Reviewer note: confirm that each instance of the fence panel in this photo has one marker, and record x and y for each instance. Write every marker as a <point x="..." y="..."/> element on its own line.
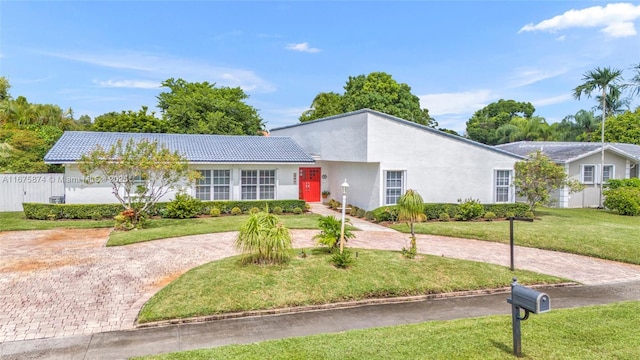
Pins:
<point x="18" y="188"/>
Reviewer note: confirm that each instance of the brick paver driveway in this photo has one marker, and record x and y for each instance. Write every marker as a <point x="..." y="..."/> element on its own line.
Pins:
<point x="58" y="283"/>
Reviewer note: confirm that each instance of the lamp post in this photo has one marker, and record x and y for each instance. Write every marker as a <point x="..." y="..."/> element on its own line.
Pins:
<point x="345" y="187"/>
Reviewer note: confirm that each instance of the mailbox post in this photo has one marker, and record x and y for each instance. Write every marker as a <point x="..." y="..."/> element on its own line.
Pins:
<point x="529" y="300"/>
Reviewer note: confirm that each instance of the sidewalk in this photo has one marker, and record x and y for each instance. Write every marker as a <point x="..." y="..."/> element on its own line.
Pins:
<point x="124" y="344"/>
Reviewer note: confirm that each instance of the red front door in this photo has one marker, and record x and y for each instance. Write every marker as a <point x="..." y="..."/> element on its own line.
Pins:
<point x="310" y="184"/>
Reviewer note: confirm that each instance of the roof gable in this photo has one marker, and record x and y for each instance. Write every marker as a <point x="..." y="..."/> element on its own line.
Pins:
<point x="408" y="123"/>
<point x="195" y="148"/>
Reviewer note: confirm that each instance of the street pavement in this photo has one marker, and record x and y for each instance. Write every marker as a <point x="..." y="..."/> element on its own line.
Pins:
<point x="65" y="295"/>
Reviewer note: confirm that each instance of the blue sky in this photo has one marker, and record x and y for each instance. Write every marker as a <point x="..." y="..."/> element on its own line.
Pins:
<point x="457" y="56"/>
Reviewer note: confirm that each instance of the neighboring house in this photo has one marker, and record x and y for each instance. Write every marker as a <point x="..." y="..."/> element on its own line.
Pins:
<point x="382" y="156"/>
<point x="582" y="162"/>
<point x="232" y="167"/>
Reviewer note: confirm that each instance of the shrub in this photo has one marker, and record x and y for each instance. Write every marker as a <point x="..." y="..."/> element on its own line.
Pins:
<point x="618" y="183"/>
<point x="254" y="210"/>
<point x="360" y="213"/>
<point x="421" y="218"/>
<point x="297" y="211"/>
<point x="183" y="206"/>
<point x="214" y="212"/>
<point x="386" y="213"/>
<point x="489" y="216"/>
<point x="330" y="228"/>
<point x="236" y="211"/>
<point x="37" y="211"/>
<point x="353" y="210"/>
<point x="369" y="216"/>
<point x="307" y="207"/>
<point x="444" y="217"/>
<point x="124" y="220"/>
<point x="343" y="260"/>
<point x="264" y="240"/>
<point x="433" y="211"/>
<point x="277" y="210"/>
<point x="529" y="215"/>
<point x="501" y="210"/>
<point x="623" y="200"/>
<point x="510" y="214"/>
<point x="469" y="209"/>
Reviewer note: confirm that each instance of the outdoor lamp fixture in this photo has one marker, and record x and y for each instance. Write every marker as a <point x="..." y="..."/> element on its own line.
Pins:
<point x="345" y="187"/>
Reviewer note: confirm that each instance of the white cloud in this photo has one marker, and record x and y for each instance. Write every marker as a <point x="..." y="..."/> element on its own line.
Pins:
<point x="138" y="84"/>
<point x="163" y="67"/>
<point x="456" y="103"/>
<point x="302" y="47"/>
<point x="552" y="100"/>
<point x="525" y="77"/>
<point x="615" y="20"/>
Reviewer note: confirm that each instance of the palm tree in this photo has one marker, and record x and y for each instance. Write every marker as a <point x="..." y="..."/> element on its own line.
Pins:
<point x="410" y="208"/>
<point x="606" y="80"/>
<point x="635" y="81"/>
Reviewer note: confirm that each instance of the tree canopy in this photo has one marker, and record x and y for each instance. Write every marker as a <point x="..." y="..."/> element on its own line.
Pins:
<point x="203" y="108"/>
<point x="514" y="118"/>
<point x="624" y="128"/>
<point x="376" y="91"/>
<point x="130" y="121"/>
<point x="140" y="173"/>
<point x="536" y="178"/>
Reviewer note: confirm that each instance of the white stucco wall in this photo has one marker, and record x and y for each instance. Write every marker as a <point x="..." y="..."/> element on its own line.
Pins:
<point x="362" y="146"/>
<point x="79" y="192"/>
<point x="590" y="196"/>
<point x="341" y="139"/>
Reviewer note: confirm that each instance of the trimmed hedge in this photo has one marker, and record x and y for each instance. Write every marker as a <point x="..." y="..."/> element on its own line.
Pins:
<point x="434" y="210"/>
<point x="37" y="211"/>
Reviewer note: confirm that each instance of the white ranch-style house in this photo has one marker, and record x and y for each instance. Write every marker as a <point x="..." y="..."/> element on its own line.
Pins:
<point x="381" y="156"/>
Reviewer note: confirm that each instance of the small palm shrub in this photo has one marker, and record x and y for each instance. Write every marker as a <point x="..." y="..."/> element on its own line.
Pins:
<point x="444" y="217"/>
<point x="214" y="212"/>
<point x="342" y="260"/>
<point x="469" y="209"/>
<point x="254" y="210"/>
<point x="263" y="239"/>
<point x="277" y="210"/>
<point x="236" y="211"/>
<point x="297" y="211"/>
<point x="183" y="206"/>
<point x="330" y="231"/>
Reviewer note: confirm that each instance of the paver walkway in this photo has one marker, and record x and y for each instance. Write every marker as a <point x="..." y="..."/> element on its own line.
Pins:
<point x="58" y="286"/>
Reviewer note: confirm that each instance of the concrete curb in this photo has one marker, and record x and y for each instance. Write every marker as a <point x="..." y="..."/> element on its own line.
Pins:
<point x="341" y="305"/>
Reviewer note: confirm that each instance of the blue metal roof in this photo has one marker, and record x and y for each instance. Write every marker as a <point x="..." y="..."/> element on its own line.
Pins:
<point x="195" y="148"/>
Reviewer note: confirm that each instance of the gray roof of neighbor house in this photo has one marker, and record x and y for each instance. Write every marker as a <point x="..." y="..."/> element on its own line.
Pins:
<point x="410" y="123"/>
<point x="195" y="148"/>
<point x="565" y="152"/>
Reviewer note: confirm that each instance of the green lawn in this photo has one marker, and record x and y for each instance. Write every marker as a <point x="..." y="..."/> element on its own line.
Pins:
<point x="226" y="286"/>
<point x="168" y="228"/>
<point x="587" y="232"/>
<point x="603" y="332"/>
<point x="12" y="221"/>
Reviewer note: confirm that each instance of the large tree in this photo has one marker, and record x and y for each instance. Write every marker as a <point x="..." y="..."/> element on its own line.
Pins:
<point x="484" y="124"/>
<point x="203" y="108"/>
<point x="130" y="121"/>
<point x="140" y="173"/>
<point x="624" y="128"/>
<point x="376" y="91"/>
<point x="537" y="177"/>
<point x="606" y="80"/>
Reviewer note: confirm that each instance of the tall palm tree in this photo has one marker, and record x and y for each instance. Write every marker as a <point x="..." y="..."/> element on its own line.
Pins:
<point x="607" y="80"/>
